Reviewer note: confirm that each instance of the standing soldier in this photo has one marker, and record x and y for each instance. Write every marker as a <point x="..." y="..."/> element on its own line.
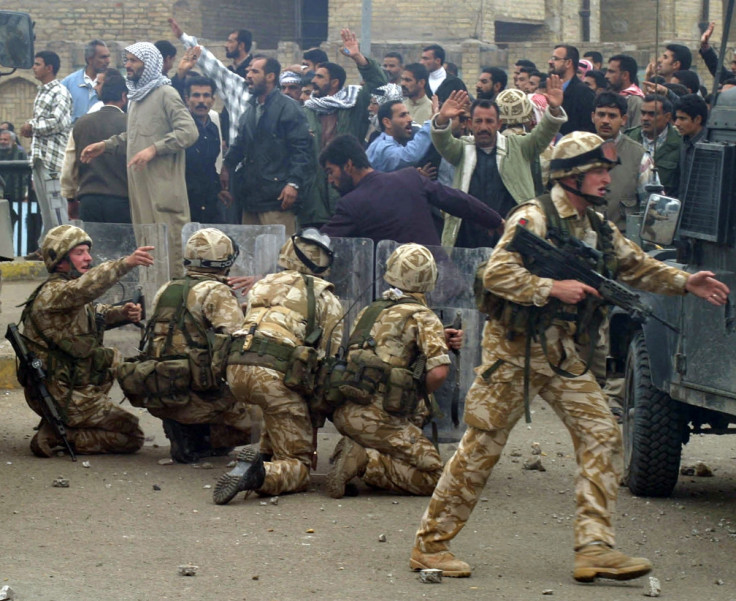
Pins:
<point x="397" y="355"/>
<point x="189" y="313"/>
<point x="64" y="329"/>
<point x="579" y="170"/>
<point x="293" y="317"/>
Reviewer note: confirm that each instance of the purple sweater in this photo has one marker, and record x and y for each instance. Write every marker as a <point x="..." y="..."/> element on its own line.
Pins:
<point x="396" y="206"/>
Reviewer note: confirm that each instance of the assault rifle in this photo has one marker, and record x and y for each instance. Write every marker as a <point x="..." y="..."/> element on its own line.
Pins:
<point x="36" y="378"/>
<point x="137" y="299"/>
<point x="548" y="261"/>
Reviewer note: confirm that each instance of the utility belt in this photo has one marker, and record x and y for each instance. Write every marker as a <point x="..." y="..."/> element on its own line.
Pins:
<point x="299" y="364"/>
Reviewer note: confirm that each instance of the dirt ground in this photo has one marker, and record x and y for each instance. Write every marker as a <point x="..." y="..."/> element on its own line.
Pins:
<point x="126" y="523"/>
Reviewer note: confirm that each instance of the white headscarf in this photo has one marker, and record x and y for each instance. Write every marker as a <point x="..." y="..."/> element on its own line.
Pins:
<point x="151" y="78"/>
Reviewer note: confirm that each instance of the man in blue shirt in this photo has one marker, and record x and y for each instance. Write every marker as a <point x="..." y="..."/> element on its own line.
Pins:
<point x="397" y="146"/>
<point x="81" y="83"/>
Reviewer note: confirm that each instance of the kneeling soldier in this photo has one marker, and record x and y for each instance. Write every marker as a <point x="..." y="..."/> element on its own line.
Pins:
<point x="64" y="329"/>
<point x="292" y="316"/>
<point x="193" y="317"/>
<point x="396" y="356"/>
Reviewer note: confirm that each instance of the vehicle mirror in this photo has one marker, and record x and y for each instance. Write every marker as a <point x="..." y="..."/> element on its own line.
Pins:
<point x="660" y="219"/>
<point x="16" y="40"/>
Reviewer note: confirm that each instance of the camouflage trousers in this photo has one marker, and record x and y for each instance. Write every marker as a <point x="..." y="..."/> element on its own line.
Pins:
<point x="287" y="428"/>
<point x="400" y="457"/>
<point x="232" y="423"/>
<point x="492" y="408"/>
<point x="95" y="425"/>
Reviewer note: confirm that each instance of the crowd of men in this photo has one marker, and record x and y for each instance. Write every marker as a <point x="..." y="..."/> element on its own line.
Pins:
<point x="409" y="155"/>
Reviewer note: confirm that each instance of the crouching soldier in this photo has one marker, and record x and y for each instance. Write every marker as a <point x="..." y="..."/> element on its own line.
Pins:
<point x="192" y="321"/>
<point x="396" y="356"/>
<point x="62" y="327"/>
<point x="292" y="318"/>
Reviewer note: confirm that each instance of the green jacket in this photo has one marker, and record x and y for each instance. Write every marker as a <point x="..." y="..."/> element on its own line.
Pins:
<point x="319" y="204"/>
<point x="666" y="158"/>
<point x="514" y="155"/>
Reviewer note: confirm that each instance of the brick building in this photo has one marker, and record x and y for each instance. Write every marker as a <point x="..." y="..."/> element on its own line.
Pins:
<point x="474" y="32"/>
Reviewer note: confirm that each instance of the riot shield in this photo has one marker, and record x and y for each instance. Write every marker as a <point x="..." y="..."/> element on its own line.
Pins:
<point x="112" y="241"/>
<point x="259" y="245"/>
<point x="352" y="275"/>
<point x="453" y="293"/>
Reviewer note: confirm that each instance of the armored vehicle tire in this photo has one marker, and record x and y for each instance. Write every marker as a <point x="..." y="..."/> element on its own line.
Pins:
<point x="653" y="429"/>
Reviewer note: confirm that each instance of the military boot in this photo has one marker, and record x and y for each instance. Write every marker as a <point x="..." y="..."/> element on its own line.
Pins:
<point x="46" y="441"/>
<point x="444" y="560"/>
<point x="348" y="461"/>
<point x="189" y="442"/>
<point x="248" y="474"/>
<point x="598" y="560"/>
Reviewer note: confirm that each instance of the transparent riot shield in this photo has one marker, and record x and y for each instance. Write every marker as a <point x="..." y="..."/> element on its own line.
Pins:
<point x="453" y="294"/>
<point x="259" y="245"/>
<point x="352" y="275"/>
<point x="112" y="241"/>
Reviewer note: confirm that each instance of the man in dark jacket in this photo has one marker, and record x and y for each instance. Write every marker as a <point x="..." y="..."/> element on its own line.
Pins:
<point x="275" y="148"/>
<point x="333" y="109"/>
<point x="578" y="99"/>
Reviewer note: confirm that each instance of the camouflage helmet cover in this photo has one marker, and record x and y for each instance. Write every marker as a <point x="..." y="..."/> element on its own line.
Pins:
<point x="59" y="241"/>
<point x="411" y="268"/>
<point x="314" y="248"/>
<point x="514" y="106"/>
<point x="580" y="151"/>
<point x="210" y="249"/>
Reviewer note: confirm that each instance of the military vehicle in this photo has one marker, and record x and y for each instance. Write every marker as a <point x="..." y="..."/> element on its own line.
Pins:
<point x="680" y="383"/>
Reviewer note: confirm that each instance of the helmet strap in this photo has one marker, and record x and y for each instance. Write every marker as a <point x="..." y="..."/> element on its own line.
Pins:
<point x="594" y="200"/>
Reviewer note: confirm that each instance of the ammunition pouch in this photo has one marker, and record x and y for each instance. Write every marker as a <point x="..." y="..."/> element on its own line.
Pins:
<point x="80" y="362"/>
<point x="301" y="372"/>
<point x="364" y="373"/>
<point x="207" y="365"/>
<point x="155" y="384"/>
<point x="402" y="395"/>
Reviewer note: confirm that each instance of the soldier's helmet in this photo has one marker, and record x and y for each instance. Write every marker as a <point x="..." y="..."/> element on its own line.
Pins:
<point x="411" y="268"/>
<point x="210" y="250"/>
<point x="579" y="152"/>
<point x="59" y="241"/>
<point x="515" y="107"/>
<point x="308" y="252"/>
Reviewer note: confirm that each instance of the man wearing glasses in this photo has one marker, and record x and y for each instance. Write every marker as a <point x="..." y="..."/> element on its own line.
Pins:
<point x="578" y="98"/>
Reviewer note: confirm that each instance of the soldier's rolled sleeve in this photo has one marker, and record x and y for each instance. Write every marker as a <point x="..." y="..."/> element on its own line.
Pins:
<point x="431" y="339"/>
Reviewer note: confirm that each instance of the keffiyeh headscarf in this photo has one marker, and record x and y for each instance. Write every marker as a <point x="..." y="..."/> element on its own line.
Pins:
<point x="151" y="78"/>
<point x="344" y="99"/>
<point x="287" y="77"/>
<point x="386" y="93"/>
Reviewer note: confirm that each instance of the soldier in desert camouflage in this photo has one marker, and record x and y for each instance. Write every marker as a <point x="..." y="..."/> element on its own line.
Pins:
<point x="381" y="445"/>
<point x="64" y="329"/>
<point x="209" y="423"/>
<point x="291" y="319"/>
<point x="495" y="402"/>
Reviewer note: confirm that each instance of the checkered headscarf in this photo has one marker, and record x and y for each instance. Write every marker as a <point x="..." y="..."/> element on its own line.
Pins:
<point x="151" y="78"/>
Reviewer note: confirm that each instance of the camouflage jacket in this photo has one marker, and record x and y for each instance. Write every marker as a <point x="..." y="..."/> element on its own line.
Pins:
<point x="61" y="327"/>
<point x="406" y="330"/>
<point x="63" y="309"/>
<point x="277" y="306"/>
<point x="506" y="277"/>
<point x="211" y="304"/>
